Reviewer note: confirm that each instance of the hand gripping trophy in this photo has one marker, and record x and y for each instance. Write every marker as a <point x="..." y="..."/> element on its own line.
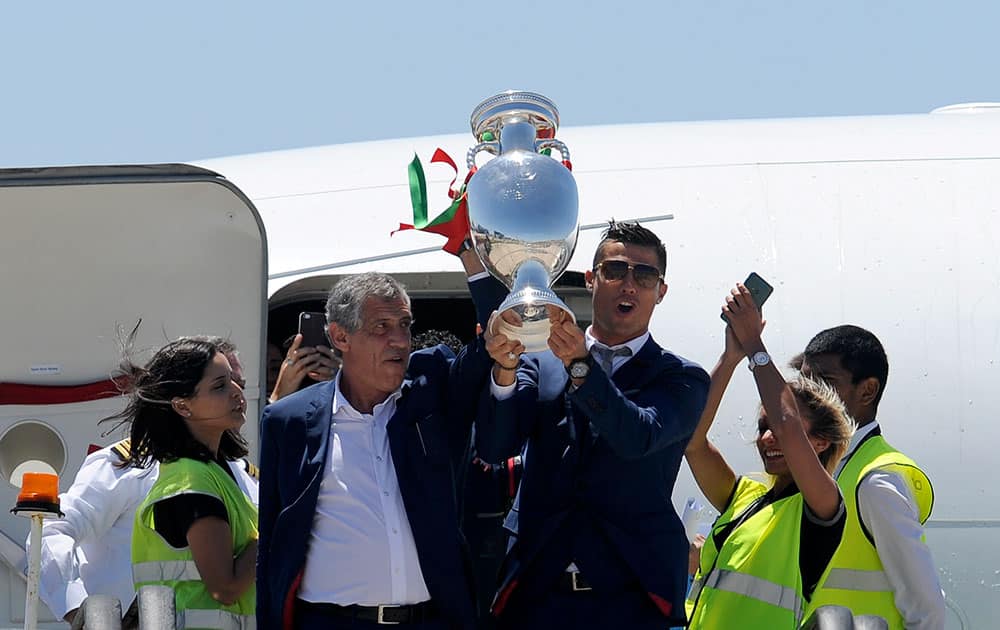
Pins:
<point x="523" y="209"/>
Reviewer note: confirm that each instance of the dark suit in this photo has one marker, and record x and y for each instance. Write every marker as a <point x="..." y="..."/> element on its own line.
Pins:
<point x="604" y="501"/>
<point x="440" y="395"/>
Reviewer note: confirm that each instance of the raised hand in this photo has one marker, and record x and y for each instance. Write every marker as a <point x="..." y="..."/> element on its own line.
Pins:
<point x="566" y="340"/>
<point x="318" y="363"/>
<point x="327" y="364"/>
<point x="503" y="350"/>
<point x="745" y="319"/>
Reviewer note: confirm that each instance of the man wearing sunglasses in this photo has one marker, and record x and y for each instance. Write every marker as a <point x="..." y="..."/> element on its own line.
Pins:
<point x="605" y="416"/>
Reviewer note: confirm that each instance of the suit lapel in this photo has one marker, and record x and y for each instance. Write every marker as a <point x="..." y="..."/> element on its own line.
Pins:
<point x="638" y="370"/>
<point x="396" y="430"/>
<point x="400" y="414"/>
<point x="318" y="421"/>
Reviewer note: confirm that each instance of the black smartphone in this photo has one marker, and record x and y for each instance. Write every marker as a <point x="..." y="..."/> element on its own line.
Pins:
<point x="759" y="290"/>
<point x="312" y="327"/>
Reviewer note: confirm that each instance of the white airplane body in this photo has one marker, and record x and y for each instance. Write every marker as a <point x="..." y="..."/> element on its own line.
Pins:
<point x="888" y="222"/>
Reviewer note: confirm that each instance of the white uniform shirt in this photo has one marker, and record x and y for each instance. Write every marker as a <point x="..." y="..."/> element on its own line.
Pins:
<point x="89" y="550"/>
<point x="889" y="511"/>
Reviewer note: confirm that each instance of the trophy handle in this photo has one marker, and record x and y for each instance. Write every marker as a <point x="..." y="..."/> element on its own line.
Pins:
<point x="552" y="143"/>
<point x="491" y="147"/>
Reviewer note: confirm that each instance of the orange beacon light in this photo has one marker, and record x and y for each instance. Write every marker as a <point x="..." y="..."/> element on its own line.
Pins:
<point x="39" y="493"/>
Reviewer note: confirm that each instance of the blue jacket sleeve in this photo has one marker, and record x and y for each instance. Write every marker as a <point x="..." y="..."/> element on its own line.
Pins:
<point x="468" y="373"/>
<point x="662" y="413"/>
<point x="503" y="426"/>
<point x="487" y="294"/>
<point x="468" y="376"/>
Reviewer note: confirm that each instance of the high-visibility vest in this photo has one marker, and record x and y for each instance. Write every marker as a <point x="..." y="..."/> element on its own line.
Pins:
<point x="754" y="580"/>
<point x="856" y="578"/>
<point x="154" y="561"/>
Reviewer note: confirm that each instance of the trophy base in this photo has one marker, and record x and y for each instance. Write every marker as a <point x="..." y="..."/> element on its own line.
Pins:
<point x="531" y="305"/>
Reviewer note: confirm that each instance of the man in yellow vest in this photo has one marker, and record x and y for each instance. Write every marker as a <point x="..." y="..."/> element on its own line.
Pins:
<point x="883" y="566"/>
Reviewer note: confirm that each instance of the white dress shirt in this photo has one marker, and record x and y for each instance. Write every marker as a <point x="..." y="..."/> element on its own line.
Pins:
<point x="361" y="548"/>
<point x="888" y="510"/>
<point x="89" y="550"/>
<point x="503" y="392"/>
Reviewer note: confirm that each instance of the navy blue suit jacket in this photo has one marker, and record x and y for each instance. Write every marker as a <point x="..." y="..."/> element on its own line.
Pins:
<point x="599" y="469"/>
<point x="440" y="396"/>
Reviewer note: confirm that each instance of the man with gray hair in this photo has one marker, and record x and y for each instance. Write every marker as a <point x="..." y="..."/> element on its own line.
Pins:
<point x="358" y="517"/>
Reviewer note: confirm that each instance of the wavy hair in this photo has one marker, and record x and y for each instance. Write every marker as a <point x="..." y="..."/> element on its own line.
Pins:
<point x="828" y="418"/>
<point x="157" y="431"/>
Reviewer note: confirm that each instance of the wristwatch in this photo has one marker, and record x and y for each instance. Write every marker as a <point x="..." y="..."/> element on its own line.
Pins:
<point x="580" y="368"/>
<point x="759" y="359"/>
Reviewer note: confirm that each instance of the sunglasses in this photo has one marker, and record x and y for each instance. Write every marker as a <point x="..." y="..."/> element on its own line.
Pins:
<point x="646" y="276"/>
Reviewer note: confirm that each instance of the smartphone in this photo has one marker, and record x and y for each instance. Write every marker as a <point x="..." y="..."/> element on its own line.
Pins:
<point x="759" y="290"/>
<point x="312" y="327"/>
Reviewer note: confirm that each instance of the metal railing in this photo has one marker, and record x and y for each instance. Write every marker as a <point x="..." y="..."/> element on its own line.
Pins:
<point x="104" y="612"/>
<point x="841" y="618"/>
<point x="98" y="612"/>
<point x="156" y="608"/>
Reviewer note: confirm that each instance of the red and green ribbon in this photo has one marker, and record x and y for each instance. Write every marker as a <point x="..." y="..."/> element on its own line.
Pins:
<point x="453" y="223"/>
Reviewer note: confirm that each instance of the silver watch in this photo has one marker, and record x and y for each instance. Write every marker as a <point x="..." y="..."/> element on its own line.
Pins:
<point x="759" y="359"/>
<point x="579" y="368"/>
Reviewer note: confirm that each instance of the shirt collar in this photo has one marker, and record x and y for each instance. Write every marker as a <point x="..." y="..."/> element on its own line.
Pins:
<point x="635" y="344"/>
<point x="859" y="435"/>
<point x="340" y="402"/>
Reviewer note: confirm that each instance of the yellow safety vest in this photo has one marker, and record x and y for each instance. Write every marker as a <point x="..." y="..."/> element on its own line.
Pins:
<point x="856" y="578"/>
<point x="754" y="581"/>
<point x="154" y="561"/>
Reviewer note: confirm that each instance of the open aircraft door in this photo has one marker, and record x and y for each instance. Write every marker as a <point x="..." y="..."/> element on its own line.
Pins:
<point x="87" y="252"/>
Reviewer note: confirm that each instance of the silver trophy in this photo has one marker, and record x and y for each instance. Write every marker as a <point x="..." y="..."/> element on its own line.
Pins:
<point x="523" y="208"/>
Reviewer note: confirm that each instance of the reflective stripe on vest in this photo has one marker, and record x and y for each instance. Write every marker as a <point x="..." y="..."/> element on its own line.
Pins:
<point x="752" y="587"/>
<point x="857" y="580"/>
<point x="215" y="619"/>
<point x="695" y="589"/>
<point x="167" y="571"/>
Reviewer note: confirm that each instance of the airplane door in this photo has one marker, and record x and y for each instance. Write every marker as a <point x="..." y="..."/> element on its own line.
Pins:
<point x="87" y="252"/>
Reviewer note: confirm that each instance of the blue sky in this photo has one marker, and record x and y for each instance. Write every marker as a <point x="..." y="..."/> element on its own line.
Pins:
<point x="122" y="82"/>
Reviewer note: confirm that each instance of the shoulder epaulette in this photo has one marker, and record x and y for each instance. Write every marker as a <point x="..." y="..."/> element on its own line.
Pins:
<point x="122" y="449"/>
<point x="252" y="470"/>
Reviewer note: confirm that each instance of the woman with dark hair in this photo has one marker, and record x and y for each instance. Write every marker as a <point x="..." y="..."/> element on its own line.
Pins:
<point x="772" y="542"/>
<point x="196" y="531"/>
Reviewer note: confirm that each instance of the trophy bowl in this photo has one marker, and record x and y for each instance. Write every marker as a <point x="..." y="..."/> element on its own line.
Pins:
<point x="523" y="209"/>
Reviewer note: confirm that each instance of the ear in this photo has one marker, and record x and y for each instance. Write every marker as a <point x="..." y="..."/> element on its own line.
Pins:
<point x="819" y="444"/>
<point x="588" y="280"/>
<point x="868" y="390"/>
<point x="663" y="291"/>
<point x="180" y="407"/>
<point x="339" y="337"/>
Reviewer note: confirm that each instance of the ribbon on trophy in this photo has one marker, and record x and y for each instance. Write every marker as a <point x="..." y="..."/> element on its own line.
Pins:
<point x="453" y="223"/>
<point x="545" y="134"/>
